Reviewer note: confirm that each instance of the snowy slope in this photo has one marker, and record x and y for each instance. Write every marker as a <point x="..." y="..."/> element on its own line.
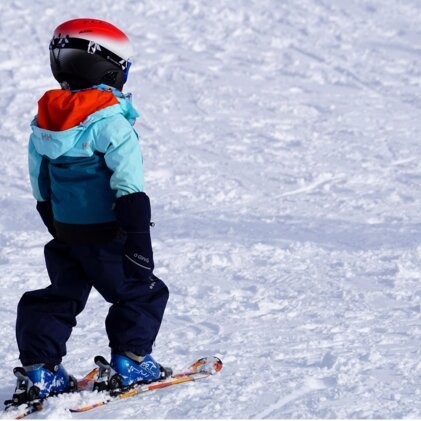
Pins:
<point x="282" y="157"/>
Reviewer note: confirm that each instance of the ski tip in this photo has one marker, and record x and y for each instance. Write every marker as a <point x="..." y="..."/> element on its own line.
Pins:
<point x="218" y="364"/>
<point x="209" y="365"/>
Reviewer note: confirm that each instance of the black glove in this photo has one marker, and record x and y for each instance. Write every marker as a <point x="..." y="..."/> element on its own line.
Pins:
<point x="133" y="213"/>
<point x="46" y="212"/>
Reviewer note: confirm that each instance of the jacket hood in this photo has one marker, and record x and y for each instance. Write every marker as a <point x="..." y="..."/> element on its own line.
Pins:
<point x="63" y="116"/>
<point x="60" y="109"/>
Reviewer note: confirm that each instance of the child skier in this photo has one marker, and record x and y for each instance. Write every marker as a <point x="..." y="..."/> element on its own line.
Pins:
<point x="86" y="173"/>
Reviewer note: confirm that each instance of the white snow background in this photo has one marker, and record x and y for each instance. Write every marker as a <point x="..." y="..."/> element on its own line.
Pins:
<point x="282" y="154"/>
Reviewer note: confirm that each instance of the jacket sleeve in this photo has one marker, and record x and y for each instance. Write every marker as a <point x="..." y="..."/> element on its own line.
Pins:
<point x="123" y="156"/>
<point x="38" y="174"/>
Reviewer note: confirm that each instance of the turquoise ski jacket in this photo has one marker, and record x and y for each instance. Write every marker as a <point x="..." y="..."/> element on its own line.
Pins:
<point x="83" y="154"/>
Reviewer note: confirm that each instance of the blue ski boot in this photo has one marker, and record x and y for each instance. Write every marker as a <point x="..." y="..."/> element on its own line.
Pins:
<point x="39" y="381"/>
<point x="127" y="370"/>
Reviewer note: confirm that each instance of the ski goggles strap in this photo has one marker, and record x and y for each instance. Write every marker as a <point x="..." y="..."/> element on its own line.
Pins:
<point x="90" y="47"/>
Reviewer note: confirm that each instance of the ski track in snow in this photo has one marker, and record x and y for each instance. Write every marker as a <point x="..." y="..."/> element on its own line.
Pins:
<point x="281" y="144"/>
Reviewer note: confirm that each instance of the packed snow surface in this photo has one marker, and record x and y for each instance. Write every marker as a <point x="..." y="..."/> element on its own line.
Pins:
<point x="281" y="141"/>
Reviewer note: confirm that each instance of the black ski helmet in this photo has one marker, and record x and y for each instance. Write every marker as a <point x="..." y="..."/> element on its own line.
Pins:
<point x="87" y="52"/>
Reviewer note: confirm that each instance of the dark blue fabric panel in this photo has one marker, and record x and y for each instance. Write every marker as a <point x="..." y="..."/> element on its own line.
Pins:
<point x="81" y="191"/>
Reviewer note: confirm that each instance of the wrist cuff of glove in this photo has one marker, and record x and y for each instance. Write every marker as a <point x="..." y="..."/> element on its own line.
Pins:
<point x="133" y="212"/>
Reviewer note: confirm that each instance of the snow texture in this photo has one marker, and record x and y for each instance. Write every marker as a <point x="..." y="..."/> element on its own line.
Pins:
<point x="281" y="141"/>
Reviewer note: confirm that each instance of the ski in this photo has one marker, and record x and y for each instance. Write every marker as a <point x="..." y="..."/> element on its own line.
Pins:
<point x="201" y="369"/>
<point x="27" y="408"/>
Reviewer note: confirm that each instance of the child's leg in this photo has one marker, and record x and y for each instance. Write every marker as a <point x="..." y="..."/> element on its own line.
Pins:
<point x="138" y="306"/>
<point x="134" y="320"/>
<point x="46" y="316"/>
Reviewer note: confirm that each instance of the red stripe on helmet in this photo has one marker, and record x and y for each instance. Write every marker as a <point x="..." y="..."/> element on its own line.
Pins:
<point x="85" y="26"/>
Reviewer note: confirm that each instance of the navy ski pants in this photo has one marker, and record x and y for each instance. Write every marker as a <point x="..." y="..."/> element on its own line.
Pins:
<point x="46" y="316"/>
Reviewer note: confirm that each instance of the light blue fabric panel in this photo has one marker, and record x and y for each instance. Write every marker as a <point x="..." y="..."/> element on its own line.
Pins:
<point x="119" y="142"/>
<point x="38" y="174"/>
